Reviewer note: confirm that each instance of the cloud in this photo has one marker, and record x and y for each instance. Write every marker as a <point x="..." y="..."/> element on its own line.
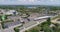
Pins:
<point x="27" y="0"/>
<point x="32" y="2"/>
<point x="2" y="0"/>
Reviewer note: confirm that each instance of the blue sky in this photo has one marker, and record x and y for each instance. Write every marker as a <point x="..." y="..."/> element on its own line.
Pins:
<point x="30" y="2"/>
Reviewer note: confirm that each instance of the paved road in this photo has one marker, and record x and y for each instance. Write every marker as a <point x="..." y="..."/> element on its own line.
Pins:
<point x="0" y="31"/>
<point x="32" y="26"/>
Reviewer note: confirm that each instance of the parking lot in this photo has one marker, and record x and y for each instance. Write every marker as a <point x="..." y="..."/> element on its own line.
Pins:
<point x="9" y="24"/>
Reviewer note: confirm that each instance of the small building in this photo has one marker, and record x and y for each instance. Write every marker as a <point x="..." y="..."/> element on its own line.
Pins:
<point x="24" y="15"/>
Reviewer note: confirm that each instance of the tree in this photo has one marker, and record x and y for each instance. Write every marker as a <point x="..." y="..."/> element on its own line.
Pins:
<point x="49" y="21"/>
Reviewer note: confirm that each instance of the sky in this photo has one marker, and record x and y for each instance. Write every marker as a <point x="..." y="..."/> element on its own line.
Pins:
<point x="29" y="2"/>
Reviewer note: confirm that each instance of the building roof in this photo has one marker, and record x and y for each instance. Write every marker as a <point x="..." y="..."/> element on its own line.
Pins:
<point x="14" y="17"/>
<point x="42" y="17"/>
<point x="11" y="12"/>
